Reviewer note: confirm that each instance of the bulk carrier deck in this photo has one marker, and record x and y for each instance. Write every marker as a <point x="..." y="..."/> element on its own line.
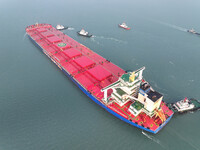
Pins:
<point x="103" y="81"/>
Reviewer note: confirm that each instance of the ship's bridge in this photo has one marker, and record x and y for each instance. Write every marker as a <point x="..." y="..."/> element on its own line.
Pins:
<point x="126" y="88"/>
<point x="151" y="98"/>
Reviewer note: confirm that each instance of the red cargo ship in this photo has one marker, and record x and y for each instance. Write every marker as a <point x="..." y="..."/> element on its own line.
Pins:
<point x="124" y="94"/>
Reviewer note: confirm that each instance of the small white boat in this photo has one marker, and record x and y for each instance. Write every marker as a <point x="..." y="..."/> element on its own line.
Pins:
<point x="123" y="25"/>
<point x="60" y="27"/>
<point x="84" y="33"/>
<point x="193" y="31"/>
<point x="184" y="105"/>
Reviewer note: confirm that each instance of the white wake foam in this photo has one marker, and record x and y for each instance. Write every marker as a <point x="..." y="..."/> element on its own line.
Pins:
<point x="93" y="40"/>
<point x="173" y="26"/>
<point x="151" y="137"/>
<point x="70" y="28"/>
<point x="111" y="38"/>
<point x="191" y="80"/>
<point x="24" y="36"/>
<point x="171" y="62"/>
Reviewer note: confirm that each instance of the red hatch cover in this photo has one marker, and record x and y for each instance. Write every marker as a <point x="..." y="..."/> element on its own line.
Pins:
<point x="41" y="30"/>
<point x="54" y="39"/>
<point x="84" y="62"/>
<point x="47" y="34"/>
<point x="72" y="52"/>
<point x="59" y="57"/>
<point x="99" y="73"/>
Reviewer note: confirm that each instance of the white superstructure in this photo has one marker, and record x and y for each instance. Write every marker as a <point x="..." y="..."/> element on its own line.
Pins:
<point x="124" y="25"/>
<point x="59" y="27"/>
<point x="184" y="105"/>
<point x="83" y="32"/>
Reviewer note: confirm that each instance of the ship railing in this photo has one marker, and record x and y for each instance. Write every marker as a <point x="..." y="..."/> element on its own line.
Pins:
<point x="36" y="25"/>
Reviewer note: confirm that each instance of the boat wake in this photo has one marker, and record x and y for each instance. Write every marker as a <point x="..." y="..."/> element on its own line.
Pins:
<point x="70" y="28"/>
<point x="93" y="40"/>
<point x="172" y="76"/>
<point x="173" y="26"/>
<point x="110" y="38"/>
<point x="171" y="62"/>
<point x="191" y="80"/>
<point x="185" y="139"/>
<point x="191" y="112"/>
<point x="170" y="25"/>
<point x="151" y="137"/>
<point x="24" y="36"/>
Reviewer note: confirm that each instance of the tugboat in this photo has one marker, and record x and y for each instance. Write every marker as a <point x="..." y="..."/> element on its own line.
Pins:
<point x="60" y="27"/>
<point x="193" y="31"/>
<point x="84" y="33"/>
<point x="123" y="25"/>
<point x="185" y="105"/>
